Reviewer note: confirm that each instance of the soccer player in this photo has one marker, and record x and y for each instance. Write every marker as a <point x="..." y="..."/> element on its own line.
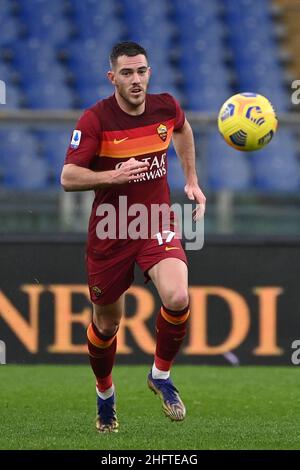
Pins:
<point x="119" y="148"/>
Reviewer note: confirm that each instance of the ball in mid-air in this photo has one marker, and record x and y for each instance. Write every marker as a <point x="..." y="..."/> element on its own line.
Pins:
<point x="247" y="121"/>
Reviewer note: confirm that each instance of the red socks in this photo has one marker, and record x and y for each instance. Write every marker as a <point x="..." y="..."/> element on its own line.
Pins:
<point x="170" y="333"/>
<point x="102" y="351"/>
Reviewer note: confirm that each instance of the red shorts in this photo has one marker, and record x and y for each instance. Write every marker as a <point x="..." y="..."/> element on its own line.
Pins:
<point x="110" y="275"/>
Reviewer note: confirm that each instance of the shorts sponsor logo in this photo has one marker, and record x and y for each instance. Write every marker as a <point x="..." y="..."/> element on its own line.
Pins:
<point x="96" y="291"/>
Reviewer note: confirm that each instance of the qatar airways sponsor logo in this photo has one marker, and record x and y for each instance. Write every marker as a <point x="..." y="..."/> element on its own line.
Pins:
<point x="159" y="221"/>
<point x="157" y="168"/>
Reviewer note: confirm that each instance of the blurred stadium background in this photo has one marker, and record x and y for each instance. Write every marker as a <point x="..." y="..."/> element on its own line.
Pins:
<point x="54" y="58"/>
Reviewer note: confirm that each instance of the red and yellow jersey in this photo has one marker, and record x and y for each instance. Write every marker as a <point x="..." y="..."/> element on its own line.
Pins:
<point x="106" y="136"/>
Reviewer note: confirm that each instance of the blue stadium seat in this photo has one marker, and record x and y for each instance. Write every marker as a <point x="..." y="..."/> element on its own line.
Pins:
<point x="192" y="7"/>
<point x="106" y="31"/>
<point x="14" y="97"/>
<point x="198" y="50"/>
<point x="140" y="8"/>
<point x="197" y="25"/>
<point x="205" y="74"/>
<point x="10" y="30"/>
<point x="54" y="144"/>
<point x="152" y="41"/>
<point x="91" y="94"/>
<point x="145" y="21"/>
<point x="92" y="78"/>
<point x="176" y="177"/>
<point x="51" y="29"/>
<point x="85" y="11"/>
<point x="43" y="71"/>
<point x="160" y="88"/>
<point x="256" y="76"/>
<point x="87" y="54"/>
<point x="226" y="168"/>
<point x="27" y="172"/>
<point x="6" y="72"/>
<point x="165" y="79"/>
<point x="276" y="167"/>
<point x="242" y="9"/>
<point x="209" y="98"/>
<point x="5" y="8"/>
<point x="255" y="52"/>
<point x="37" y="8"/>
<point x="149" y="25"/>
<point x="26" y="54"/>
<point x="48" y="96"/>
<point x="16" y="141"/>
<point x="255" y="56"/>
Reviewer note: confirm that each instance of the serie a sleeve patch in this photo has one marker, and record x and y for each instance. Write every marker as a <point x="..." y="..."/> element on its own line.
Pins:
<point x="75" y="141"/>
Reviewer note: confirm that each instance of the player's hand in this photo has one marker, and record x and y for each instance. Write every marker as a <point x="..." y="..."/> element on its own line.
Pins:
<point x="194" y="193"/>
<point x="129" y="171"/>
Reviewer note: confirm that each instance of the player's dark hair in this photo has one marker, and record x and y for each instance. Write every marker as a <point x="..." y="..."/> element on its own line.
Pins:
<point x="128" y="48"/>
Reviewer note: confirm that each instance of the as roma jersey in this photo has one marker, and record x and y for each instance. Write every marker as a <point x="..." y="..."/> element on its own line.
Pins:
<point x="106" y="136"/>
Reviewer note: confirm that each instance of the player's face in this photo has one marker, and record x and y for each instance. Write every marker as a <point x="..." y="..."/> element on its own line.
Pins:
<point x="130" y="76"/>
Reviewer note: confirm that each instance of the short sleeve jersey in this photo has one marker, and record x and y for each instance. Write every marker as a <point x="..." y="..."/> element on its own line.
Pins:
<point x="106" y="136"/>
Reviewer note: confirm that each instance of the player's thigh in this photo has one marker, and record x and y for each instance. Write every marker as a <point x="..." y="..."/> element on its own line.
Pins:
<point x="170" y="277"/>
<point x="108" y="317"/>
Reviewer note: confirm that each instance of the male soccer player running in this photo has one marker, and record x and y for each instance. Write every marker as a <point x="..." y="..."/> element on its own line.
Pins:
<point x="119" y="149"/>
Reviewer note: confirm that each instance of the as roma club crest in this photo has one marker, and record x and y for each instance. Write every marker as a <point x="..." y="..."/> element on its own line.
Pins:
<point x="162" y="131"/>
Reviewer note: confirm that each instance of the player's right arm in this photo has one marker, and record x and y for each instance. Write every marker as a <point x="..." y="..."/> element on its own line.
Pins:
<point x="76" y="178"/>
<point x="77" y="175"/>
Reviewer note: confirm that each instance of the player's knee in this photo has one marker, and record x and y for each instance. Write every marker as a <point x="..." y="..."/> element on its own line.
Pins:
<point x="109" y="329"/>
<point x="177" y="300"/>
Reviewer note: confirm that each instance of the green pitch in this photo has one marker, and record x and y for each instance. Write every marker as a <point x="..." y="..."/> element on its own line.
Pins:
<point x="53" y="407"/>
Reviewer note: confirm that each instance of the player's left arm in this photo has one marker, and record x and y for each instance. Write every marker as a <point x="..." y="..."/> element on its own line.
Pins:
<point x="183" y="140"/>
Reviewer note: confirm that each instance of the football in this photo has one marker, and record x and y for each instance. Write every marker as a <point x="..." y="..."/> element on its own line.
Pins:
<point x="247" y="121"/>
